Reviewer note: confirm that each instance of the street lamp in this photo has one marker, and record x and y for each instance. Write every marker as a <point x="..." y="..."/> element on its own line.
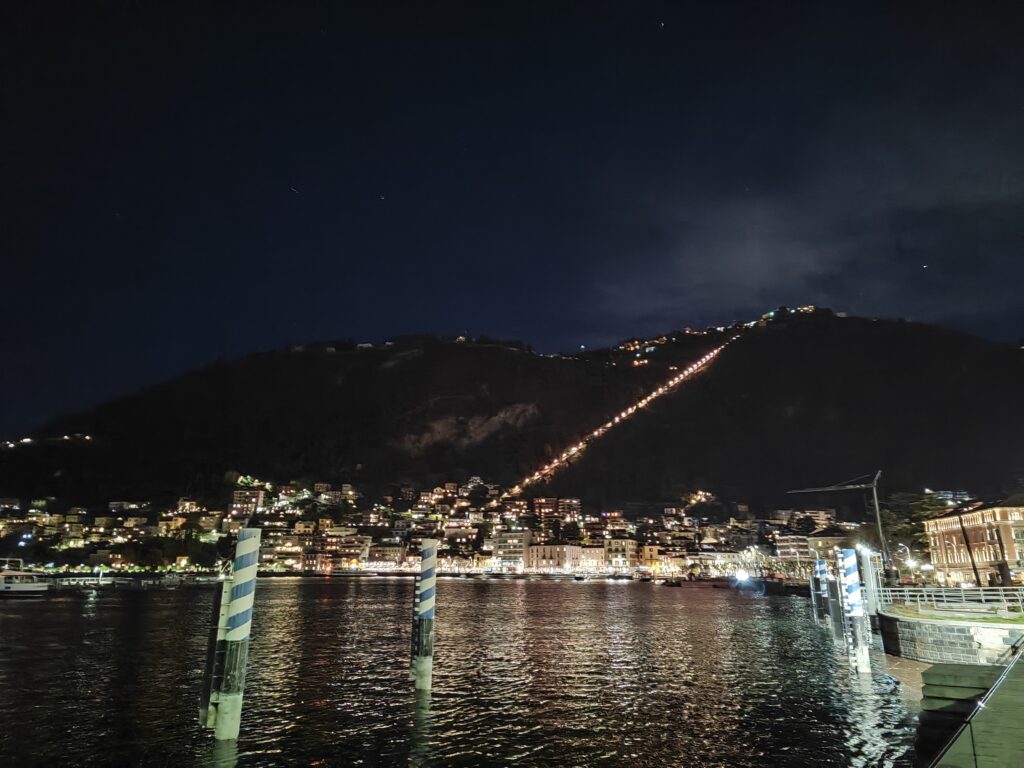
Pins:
<point x="909" y="556"/>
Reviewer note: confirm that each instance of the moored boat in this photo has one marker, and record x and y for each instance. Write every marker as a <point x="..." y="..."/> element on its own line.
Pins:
<point x="15" y="582"/>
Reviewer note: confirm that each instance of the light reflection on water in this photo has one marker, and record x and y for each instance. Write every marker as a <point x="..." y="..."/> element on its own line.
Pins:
<point x="526" y="673"/>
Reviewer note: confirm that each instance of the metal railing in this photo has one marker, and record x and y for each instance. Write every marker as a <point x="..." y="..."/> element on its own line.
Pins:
<point x="1009" y="598"/>
<point x="1010" y="659"/>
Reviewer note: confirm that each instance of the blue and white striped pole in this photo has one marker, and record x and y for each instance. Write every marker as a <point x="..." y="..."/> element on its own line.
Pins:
<point x="415" y="641"/>
<point x="857" y="635"/>
<point x="222" y="709"/>
<point x="842" y="613"/>
<point x="870" y="572"/>
<point x="851" y="583"/>
<point x="423" y="627"/>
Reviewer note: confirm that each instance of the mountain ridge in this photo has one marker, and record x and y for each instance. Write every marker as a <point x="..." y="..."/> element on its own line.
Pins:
<point x="799" y="399"/>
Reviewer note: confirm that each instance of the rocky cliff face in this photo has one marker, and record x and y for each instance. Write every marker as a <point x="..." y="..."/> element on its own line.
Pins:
<point x="464" y="432"/>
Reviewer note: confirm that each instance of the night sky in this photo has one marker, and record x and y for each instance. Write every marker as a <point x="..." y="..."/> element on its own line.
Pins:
<point x="183" y="183"/>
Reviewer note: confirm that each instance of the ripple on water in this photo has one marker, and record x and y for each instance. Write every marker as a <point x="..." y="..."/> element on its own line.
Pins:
<point x="527" y="673"/>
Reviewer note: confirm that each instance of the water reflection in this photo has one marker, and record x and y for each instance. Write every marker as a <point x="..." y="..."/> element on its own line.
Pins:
<point x="419" y="739"/>
<point x="219" y="754"/>
<point x="526" y="673"/>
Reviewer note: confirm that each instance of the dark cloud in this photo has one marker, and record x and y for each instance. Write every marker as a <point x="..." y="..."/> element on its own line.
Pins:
<point x="891" y="208"/>
<point x="205" y="181"/>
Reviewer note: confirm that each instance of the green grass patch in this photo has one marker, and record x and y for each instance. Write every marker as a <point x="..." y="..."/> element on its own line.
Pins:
<point x="911" y="612"/>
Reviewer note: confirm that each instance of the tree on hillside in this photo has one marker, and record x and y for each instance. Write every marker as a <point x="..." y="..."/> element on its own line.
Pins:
<point x="191" y="529"/>
<point x="904" y="514"/>
<point x="310" y="508"/>
<point x="571" y="532"/>
<point x="804" y="524"/>
<point x="483" y="531"/>
<point x="478" y="495"/>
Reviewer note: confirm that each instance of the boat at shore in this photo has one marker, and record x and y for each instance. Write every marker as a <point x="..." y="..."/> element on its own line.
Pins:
<point x="17" y="583"/>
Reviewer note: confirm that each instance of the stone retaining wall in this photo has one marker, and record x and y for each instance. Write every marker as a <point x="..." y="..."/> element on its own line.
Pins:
<point x="936" y="640"/>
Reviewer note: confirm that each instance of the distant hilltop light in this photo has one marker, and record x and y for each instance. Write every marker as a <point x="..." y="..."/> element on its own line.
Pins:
<point x="43" y="440"/>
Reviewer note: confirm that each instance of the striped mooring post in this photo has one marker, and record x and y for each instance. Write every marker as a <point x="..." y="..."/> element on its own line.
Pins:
<point x="870" y="572"/>
<point x="835" y="607"/>
<point x="858" y="633"/>
<point x="224" y="680"/>
<point x="819" y="590"/>
<point x="421" y="668"/>
<point x="415" y="627"/>
<point x="821" y="568"/>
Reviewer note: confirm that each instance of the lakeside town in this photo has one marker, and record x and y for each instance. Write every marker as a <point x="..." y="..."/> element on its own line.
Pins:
<point x="328" y="529"/>
<point x="944" y="537"/>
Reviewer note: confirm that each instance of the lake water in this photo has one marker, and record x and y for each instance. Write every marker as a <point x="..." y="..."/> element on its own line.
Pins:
<point x="527" y="673"/>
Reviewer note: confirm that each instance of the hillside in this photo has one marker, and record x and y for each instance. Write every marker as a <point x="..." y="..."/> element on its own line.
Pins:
<point x="417" y="409"/>
<point x="812" y="402"/>
<point x="805" y="400"/>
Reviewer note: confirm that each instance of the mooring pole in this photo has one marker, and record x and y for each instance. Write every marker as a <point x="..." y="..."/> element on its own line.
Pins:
<point x="839" y="619"/>
<point x="823" y="583"/>
<point x="422" y="666"/>
<point x="224" y="687"/>
<point x="819" y="590"/>
<point x="835" y="606"/>
<point x="814" y="589"/>
<point x="858" y="633"/>
<point x="871" y="580"/>
<point x="415" y="641"/>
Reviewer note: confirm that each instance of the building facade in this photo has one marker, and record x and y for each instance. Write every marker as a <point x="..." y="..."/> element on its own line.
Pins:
<point x="553" y="557"/>
<point x="990" y="536"/>
<point x="510" y="548"/>
<point x="791" y="546"/>
<point x="620" y="553"/>
<point x="245" y="502"/>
